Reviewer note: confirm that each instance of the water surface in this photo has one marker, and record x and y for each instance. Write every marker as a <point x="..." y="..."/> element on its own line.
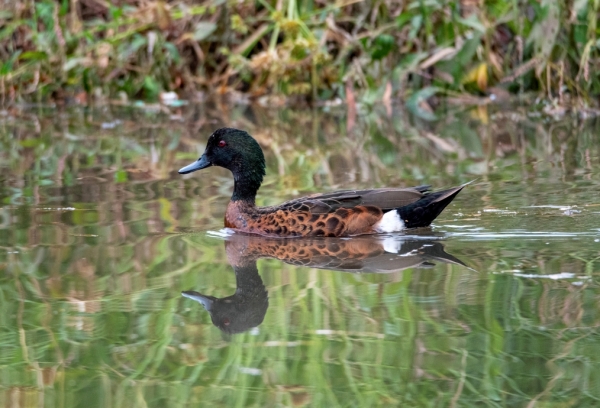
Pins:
<point x="496" y="305"/>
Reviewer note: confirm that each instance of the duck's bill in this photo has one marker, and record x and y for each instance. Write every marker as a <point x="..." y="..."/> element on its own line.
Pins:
<point x="207" y="301"/>
<point x="199" y="164"/>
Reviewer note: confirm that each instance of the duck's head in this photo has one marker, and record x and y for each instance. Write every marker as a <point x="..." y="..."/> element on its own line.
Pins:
<point x="232" y="149"/>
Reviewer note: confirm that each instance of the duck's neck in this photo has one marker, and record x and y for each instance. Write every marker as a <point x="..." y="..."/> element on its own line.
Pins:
<point x="246" y="184"/>
<point x="248" y="282"/>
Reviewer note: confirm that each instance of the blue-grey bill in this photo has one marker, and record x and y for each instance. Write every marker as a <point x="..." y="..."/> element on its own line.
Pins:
<point x="199" y="164"/>
<point x="206" y="301"/>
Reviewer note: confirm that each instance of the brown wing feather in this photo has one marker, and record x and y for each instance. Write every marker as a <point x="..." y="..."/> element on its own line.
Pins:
<point x="384" y="198"/>
<point x="390" y="199"/>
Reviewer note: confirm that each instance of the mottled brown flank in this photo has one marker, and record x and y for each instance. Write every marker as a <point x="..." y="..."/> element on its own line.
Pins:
<point x="273" y="221"/>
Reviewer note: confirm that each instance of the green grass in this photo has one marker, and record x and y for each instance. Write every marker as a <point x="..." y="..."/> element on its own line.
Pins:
<point x="299" y="50"/>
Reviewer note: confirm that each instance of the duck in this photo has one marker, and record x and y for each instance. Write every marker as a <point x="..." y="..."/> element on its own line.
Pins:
<point x="342" y="213"/>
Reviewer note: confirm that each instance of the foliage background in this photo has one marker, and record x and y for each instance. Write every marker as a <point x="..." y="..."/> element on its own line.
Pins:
<point x="299" y="50"/>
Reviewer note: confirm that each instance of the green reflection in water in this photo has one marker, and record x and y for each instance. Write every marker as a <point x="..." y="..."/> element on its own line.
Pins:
<point x="99" y="235"/>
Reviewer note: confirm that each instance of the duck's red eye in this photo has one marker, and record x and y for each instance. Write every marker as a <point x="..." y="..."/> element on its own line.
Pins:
<point x="222" y="143"/>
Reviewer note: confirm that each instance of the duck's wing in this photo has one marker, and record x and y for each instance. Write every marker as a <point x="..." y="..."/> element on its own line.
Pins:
<point x="383" y="198"/>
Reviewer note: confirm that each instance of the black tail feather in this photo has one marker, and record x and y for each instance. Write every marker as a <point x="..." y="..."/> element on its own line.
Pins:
<point x="421" y="213"/>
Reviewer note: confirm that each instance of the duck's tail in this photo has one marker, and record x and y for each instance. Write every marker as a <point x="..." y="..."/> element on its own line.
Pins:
<point x="421" y="213"/>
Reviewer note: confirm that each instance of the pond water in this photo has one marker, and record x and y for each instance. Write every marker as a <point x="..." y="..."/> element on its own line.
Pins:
<point x="498" y="304"/>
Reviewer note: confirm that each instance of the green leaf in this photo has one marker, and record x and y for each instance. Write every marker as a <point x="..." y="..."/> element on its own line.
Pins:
<point x="543" y="35"/>
<point x="411" y="61"/>
<point x="468" y="50"/>
<point x="138" y="42"/>
<point x="416" y="23"/>
<point x="72" y="63"/>
<point x="151" y="87"/>
<point x="34" y="56"/>
<point x="382" y="45"/>
<point x="8" y="29"/>
<point x="203" y="30"/>
<point x="8" y="65"/>
<point x="173" y="52"/>
<point x="120" y="176"/>
<point x="115" y="12"/>
<point x="31" y="142"/>
<point x="473" y="22"/>
<point x="580" y="34"/>
<point x="402" y="19"/>
<point x="45" y="12"/>
<point x="413" y="104"/>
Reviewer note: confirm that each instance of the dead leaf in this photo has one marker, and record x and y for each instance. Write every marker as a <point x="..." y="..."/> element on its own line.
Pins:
<point x="444" y="53"/>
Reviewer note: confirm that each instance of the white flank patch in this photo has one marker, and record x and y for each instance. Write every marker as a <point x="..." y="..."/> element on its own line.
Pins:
<point x="390" y="222"/>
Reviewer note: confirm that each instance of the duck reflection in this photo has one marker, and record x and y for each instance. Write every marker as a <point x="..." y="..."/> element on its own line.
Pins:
<point x="247" y="307"/>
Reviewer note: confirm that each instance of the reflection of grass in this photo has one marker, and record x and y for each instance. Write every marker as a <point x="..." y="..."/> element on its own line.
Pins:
<point x="299" y="49"/>
<point x="416" y="337"/>
<point x="91" y="307"/>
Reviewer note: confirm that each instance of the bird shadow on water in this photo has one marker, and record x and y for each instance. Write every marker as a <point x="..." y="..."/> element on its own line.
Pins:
<point x="375" y="254"/>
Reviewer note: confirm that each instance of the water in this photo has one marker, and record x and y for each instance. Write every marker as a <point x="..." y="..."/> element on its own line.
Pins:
<point x="496" y="305"/>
